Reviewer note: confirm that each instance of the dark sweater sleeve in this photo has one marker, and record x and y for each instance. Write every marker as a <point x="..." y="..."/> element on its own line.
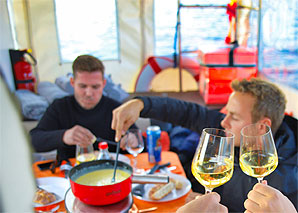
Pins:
<point x="187" y="114"/>
<point x="47" y="135"/>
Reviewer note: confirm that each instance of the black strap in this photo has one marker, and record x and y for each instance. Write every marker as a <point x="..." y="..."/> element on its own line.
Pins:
<point x="25" y="81"/>
<point x="231" y="53"/>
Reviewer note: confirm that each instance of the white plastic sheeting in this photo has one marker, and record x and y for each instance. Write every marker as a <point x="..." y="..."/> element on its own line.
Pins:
<point x="17" y="184"/>
<point x="135" y="20"/>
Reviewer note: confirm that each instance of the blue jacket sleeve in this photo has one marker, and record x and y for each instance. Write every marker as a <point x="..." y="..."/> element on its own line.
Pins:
<point x="187" y="114"/>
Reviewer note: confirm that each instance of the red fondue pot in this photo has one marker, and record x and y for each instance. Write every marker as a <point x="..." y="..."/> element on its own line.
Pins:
<point x="107" y="194"/>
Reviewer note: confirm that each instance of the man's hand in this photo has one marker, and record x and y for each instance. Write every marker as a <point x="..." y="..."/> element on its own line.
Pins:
<point x="264" y="198"/>
<point x="126" y="115"/>
<point x="78" y="135"/>
<point x="205" y="203"/>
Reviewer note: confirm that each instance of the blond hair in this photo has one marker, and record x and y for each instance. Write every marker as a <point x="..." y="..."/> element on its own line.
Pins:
<point x="270" y="101"/>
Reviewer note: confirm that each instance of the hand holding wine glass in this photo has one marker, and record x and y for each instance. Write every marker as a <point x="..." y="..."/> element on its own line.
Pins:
<point x="213" y="162"/>
<point x="134" y="144"/>
<point x="258" y="156"/>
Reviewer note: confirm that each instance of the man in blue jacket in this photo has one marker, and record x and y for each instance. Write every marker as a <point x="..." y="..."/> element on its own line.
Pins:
<point x="251" y="102"/>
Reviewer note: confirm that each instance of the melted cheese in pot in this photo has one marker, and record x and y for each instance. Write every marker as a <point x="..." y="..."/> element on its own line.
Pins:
<point x="102" y="177"/>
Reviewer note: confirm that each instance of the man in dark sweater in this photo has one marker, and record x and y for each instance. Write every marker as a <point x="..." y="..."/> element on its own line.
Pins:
<point x="251" y="102"/>
<point x="77" y="119"/>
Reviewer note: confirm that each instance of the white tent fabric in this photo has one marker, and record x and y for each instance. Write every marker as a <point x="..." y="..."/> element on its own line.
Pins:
<point x="135" y="19"/>
<point x="17" y="185"/>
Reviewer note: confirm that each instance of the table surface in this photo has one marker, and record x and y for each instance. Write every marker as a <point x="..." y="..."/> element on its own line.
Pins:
<point x="142" y="162"/>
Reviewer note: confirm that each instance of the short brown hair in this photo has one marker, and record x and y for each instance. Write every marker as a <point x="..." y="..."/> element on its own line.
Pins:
<point x="87" y="63"/>
<point x="270" y="100"/>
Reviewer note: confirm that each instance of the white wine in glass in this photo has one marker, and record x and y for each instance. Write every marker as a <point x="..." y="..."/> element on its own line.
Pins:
<point x="84" y="154"/>
<point x="258" y="156"/>
<point x="213" y="163"/>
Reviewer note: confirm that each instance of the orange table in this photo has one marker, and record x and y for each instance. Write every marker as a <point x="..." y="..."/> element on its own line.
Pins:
<point x="142" y="162"/>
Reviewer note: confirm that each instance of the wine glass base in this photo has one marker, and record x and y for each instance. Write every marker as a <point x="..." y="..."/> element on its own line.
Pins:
<point x="139" y="171"/>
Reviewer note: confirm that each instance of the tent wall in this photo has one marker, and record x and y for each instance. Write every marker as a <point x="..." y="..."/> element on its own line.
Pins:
<point x="135" y="20"/>
<point x="6" y="42"/>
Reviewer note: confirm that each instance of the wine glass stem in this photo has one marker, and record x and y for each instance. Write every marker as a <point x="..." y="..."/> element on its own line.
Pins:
<point x="207" y="190"/>
<point x="260" y="180"/>
<point x="135" y="164"/>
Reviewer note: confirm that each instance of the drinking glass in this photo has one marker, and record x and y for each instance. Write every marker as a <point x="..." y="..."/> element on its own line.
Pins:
<point x="213" y="163"/>
<point x="258" y="156"/>
<point x="84" y="154"/>
<point x="134" y="144"/>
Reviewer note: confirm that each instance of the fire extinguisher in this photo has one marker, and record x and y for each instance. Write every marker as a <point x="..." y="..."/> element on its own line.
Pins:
<point x="24" y="78"/>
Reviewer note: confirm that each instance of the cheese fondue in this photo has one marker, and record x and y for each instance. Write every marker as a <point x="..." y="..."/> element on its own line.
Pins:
<point x="102" y="177"/>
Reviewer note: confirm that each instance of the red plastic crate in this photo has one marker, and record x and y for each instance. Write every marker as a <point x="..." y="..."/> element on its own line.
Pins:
<point x="242" y="56"/>
<point x="216" y="76"/>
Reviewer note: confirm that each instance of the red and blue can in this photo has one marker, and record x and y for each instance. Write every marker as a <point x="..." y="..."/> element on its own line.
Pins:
<point x="154" y="144"/>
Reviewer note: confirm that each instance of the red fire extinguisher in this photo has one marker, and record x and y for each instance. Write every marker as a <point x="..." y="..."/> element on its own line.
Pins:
<point x="23" y="74"/>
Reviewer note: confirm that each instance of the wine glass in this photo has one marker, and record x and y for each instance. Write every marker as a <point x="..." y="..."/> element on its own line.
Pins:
<point x="134" y="144"/>
<point x="213" y="163"/>
<point x="258" y="156"/>
<point x="84" y="154"/>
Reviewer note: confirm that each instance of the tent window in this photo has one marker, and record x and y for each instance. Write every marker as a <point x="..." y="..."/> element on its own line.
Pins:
<point x="87" y="27"/>
<point x="199" y="26"/>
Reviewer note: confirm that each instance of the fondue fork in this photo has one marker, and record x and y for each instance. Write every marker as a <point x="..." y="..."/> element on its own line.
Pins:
<point x="99" y="139"/>
<point x="139" y="189"/>
<point x="134" y="209"/>
<point x="116" y="161"/>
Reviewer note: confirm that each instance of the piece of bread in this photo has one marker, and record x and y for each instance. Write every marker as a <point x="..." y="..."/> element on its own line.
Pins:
<point x="178" y="184"/>
<point x="43" y="197"/>
<point x="159" y="191"/>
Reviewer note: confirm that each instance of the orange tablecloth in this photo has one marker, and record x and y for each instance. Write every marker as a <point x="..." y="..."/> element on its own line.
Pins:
<point x="142" y="162"/>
